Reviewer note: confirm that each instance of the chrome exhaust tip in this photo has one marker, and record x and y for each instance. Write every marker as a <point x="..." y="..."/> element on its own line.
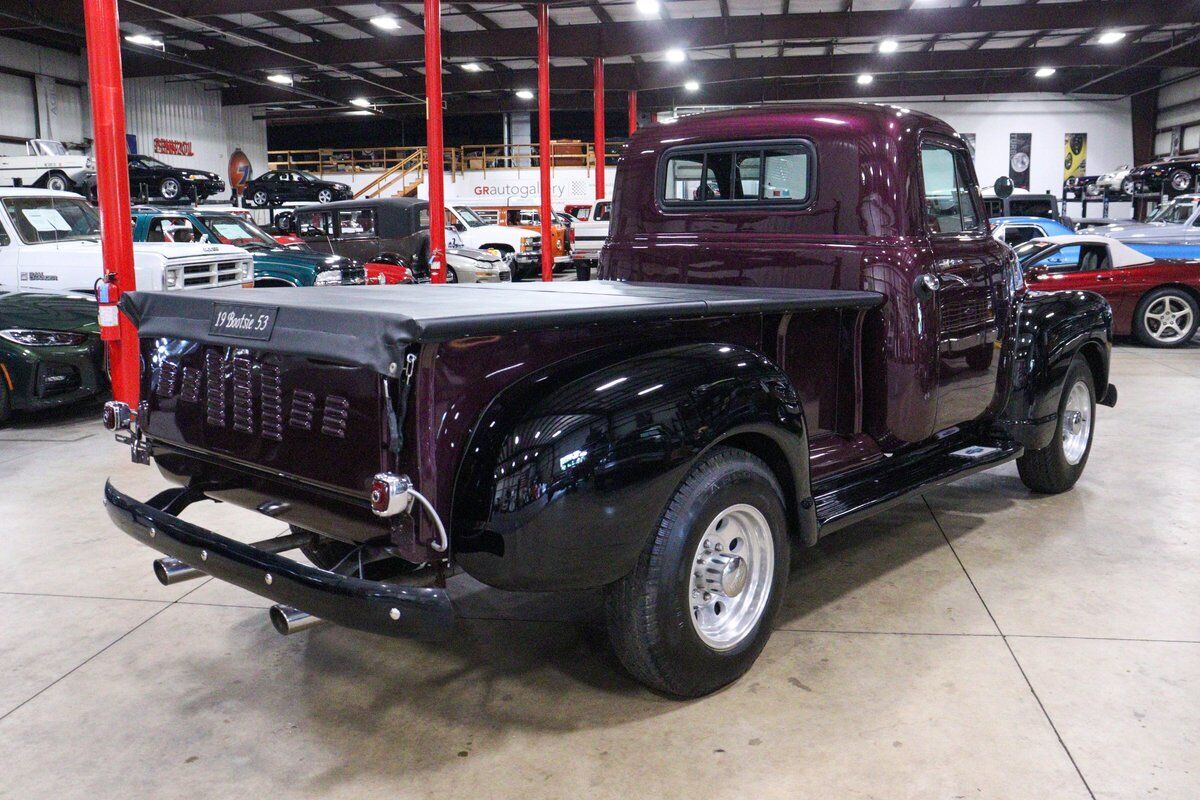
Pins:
<point x="172" y="570"/>
<point x="288" y="620"/>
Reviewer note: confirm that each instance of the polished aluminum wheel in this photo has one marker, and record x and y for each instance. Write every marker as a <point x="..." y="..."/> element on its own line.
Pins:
<point x="733" y="568"/>
<point x="1077" y="423"/>
<point x="1181" y="181"/>
<point x="1168" y="319"/>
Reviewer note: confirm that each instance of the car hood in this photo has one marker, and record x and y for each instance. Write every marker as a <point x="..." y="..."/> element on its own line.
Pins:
<point x="471" y="253"/>
<point x="1143" y="230"/>
<point x="310" y="260"/>
<point x="50" y="311"/>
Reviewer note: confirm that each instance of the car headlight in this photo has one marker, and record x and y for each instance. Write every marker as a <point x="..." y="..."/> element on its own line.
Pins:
<point x="328" y="277"/>
<point x="36" y="338"/>
<point x="247" y="270"/>
<point x="171" y="277"/>
<point x="90" y="163"/>
<point x="527" y="244"/>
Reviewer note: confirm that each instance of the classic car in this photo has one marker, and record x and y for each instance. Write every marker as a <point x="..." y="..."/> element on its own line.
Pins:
<point x="1153" y="295"/>
<point x="518" y="247"/>
<point x="1023" y="204"/>
<point x="51" y="240"/>
<point x="797" y="365"/>
<point x="152" y="179"/>
<point x="274" y="264"/>
<point x="50" y="350"/>
<point x="1177" y="220"/>
<point x="1015" y="230"/>
<point x="1170" y="176"/>
<point x="390" y="236"/>
<point x="47" y="165"/>
<point x="292" y="185"/>
<point x="1113" y="181"/>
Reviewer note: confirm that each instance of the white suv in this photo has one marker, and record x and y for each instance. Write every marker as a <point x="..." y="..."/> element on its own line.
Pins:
<point x="51" y="240"/>
<point x="519" y="247"/>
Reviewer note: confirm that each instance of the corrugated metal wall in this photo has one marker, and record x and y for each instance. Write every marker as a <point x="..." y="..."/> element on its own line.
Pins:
<point x="1178" y="114"/>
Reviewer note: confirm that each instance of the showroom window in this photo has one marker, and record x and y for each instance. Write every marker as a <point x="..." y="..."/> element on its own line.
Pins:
<point x="746" y="173"/>
<point x="949" y="207"/>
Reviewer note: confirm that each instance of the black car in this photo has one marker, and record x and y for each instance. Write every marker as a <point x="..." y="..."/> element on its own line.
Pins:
<point x="292" y="185"/>
<point x="1172" y="176"/>
<point x="1025" y="204"/>
<point x="150" y="178"/>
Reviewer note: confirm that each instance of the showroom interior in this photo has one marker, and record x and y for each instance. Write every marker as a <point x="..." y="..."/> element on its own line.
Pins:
<point x="599" y="398"/>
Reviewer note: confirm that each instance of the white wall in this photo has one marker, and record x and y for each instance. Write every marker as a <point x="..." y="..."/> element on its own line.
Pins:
<point x="1108" y="124"/>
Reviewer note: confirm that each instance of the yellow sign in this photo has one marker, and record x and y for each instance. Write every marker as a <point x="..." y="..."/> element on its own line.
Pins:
<point x="1075" y="151"/>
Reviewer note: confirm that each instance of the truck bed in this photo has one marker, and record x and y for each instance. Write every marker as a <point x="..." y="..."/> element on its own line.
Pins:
<point x="369" y="325"/>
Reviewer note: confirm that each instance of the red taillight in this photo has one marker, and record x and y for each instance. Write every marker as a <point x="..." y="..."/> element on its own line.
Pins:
<point x="116" y="415"/>
<point x="389" y="494"/>
<point x="381" y="495"/>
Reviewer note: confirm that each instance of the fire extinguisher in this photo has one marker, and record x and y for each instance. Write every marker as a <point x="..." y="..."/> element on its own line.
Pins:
<point x="106" y="295"/>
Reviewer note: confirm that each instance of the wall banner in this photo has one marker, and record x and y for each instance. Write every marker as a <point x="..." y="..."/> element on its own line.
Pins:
<point x="1074" y="156"/>
<point x="1019" y="146"/>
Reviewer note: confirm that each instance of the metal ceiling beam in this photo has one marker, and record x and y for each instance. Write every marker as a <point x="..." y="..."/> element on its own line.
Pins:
<point x="650" y="36"/>
<point x="621" y="77"/>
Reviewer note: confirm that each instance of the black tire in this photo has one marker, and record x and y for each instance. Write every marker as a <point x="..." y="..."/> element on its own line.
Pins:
<point x="649" y="612"/>
<point x="1167" y="297"/>
<point x="5" y="402"/>
<point x="1050" y="470"/>
<point x="58" y="182"/>
<point x="1180" y="181"/>
<point x="451" y="275"/>
<point x="170" y="189"/>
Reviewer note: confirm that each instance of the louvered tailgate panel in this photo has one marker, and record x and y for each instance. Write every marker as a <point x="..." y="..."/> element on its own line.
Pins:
<point x="314" y="420"/>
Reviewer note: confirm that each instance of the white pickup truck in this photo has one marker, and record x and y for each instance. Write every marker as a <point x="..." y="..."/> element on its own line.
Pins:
<point x="520" y="247"/>
<point x="591" y="230"/>
<point x="51" y="240"/>
<point x="48" y="165"/>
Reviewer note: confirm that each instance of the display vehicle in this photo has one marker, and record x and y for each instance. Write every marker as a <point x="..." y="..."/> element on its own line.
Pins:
<point x="281" y="186"/>
<point x="1015" y="230"/>
<point x="1175" y="221"/>
<point x="390" y="236"/>
<point x="152" y="179"/>
<point x="529" y="218"/>
<point x="50" y="350"/>
<point x="51" y="240"/>
<point x="1113" y="181"/>
<point x="1154" y="290"/>
<point x="47" y="165"/>
<point x="274" y="264"/>
<point x="1024" y="204"/>
<point x="1170" y="176"/>
<point x="591" y="230"/>
<point x="518" y="247"/>
<point x="779" y="351"/>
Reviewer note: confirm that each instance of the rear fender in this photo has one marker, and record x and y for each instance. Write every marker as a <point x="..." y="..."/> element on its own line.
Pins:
<point x="1051" y="329"/>
<point x="568" y="471"/>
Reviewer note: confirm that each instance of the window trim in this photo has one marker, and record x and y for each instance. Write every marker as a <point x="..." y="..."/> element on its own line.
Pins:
<point x="982" y="217"/>
<point x="733" y="147"/>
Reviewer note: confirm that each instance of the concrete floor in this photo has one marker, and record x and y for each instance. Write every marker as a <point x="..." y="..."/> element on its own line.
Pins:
<point x="978" y="642"/>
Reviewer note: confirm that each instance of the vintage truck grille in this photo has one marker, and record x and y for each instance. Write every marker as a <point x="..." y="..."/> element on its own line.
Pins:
<point x="191" y="383"/>
<point x="215" y="273"/>
<point x="966" y="313"/>
<point x="168" y="379"/>
<point x="271" y="400"/>
<point x="243" y="394"/>
<point x="214" y="396"/>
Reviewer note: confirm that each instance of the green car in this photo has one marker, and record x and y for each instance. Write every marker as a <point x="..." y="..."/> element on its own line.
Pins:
<point x="50" y="351"/>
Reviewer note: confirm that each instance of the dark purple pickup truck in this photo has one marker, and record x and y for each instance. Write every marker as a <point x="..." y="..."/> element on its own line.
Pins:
<point x="804" y="321"/>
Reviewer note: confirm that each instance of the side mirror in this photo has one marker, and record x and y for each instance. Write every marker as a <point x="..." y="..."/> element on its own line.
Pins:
<point x="1004" y="187"/>
<point x="285" y="222"/>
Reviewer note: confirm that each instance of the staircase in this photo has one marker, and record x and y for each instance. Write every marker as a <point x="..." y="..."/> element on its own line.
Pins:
<point x="408" y="173"/>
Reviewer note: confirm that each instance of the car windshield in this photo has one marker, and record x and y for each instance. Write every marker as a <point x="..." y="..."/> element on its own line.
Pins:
<point x="152" y="162"/>
<point x="1029" y="251"/>
<point x="306" y="175"/>
<point x="238" y="232"/>
<point x="46" y="147"/>
<point x="1175" y="212"/>
<point x="470" y="217"/>
<point x="52" y="219"/>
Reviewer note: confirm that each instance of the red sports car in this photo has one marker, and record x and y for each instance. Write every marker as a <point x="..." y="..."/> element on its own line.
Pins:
<point x="1154" y="291"/>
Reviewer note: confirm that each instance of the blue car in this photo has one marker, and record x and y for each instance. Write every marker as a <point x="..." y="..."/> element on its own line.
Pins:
<point x="1018" y="230"/>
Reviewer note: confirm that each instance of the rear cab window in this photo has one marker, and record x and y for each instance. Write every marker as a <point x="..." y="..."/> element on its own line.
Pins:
<point x="737" y="174"/>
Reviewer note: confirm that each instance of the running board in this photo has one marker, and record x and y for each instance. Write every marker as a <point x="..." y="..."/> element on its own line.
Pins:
<point x="846" y="499"/>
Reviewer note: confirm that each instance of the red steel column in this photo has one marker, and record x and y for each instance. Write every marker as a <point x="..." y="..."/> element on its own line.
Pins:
<point x="632" y="111"/>
<point x="544" y="154"/>
<point x="112" y="182"/>
<point x="433" y="139"/>
<point x="598" y="122"/>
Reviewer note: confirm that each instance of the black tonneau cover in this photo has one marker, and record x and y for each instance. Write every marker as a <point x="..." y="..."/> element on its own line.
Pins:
<point x="370" y="325"/>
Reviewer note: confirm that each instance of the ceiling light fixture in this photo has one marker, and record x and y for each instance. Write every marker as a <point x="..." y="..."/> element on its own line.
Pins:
<point x="144" y="40"/>
<point x="1045" y="72"/>
<point x="525" y="94"/>
<point x="675" y="55"/>
<point x="280" y="78"/>
<point x="1111" y="37"/>
<point x="361" y="102"/>
<point x="865" y="79"/>
<point x="472" y="66"/>
<point x="386" y="22"/>
<point x="648" y="7"/>
<point x="692" y="86"/>
<point x="889" y="46"/>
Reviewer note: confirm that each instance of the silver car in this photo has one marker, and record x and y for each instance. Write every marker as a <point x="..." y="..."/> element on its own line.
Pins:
<point x="1176" y="221"/>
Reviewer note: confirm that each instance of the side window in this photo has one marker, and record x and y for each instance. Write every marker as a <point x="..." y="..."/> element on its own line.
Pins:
<point x="995" y="207"/>
<point x="315" y="224"/>
<point x="1064" y="259"/>
<point x="423" y="218"/>
<point x="949" y="205"/>
<point x="357" y="222"/>
<point x="171" y="229"/>
<point x="603" y="212"/>
<point x="1019" y="234"/>
<point x="751" y="173"/>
